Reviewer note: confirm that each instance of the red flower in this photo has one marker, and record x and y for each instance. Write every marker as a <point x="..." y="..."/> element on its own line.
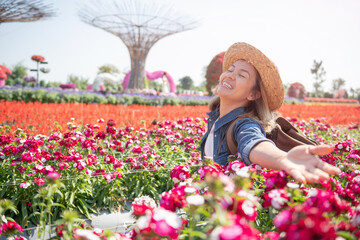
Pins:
<point x="39" y="181"/>
<point x="11" y="227"/>
<point x="37" y="58"/>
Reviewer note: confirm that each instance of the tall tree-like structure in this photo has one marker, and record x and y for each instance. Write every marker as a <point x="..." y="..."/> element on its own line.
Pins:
<point x="139" y="24"/>
<point x="24" y="10"/>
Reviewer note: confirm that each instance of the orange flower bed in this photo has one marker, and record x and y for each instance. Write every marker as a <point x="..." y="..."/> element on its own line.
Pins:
<point x="40" y="118"/>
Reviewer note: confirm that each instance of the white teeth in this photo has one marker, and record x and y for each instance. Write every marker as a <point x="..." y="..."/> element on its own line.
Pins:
<point x="227" y="85"/>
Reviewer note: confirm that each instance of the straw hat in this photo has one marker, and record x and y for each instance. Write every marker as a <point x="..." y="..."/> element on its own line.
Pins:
<point x="269" y="74"/>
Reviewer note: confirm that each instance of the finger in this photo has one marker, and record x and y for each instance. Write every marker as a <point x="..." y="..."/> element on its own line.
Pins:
<point x="321" y="174"/>
<point x="296" y="175"/>
<point x="320" y="149"/>
<point x="328" y="167"/>
<point x="310" y="177"/>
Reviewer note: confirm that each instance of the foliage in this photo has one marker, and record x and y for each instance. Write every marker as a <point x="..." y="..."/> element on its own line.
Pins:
<point x="214" y="71"/>
<point x="80" y="82"/>
<point x="108" y="68"/>
<point x="45" y="95"/>
<point x="186" y="83"/>
<point x="319" y="76"/>
<point x="337" y="84"/>
<point x="19" y="71"/>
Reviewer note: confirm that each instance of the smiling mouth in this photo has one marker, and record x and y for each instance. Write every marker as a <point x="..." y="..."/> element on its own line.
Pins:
<point x="226" y="85"/>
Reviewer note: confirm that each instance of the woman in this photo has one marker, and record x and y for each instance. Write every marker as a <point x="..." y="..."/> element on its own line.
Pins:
<point x="250" y="85"/>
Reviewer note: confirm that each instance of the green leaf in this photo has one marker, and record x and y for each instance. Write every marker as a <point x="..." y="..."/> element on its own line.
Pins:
<point x="346" y="235"/>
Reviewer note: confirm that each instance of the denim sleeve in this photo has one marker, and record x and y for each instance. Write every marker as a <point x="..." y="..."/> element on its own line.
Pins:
<point x="248" y="133"/>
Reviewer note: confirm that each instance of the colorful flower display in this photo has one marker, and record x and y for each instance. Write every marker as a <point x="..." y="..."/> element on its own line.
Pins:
<point x="37" y="118"/>
<point x="37" y="58"/>
<point x="149" y="156"/>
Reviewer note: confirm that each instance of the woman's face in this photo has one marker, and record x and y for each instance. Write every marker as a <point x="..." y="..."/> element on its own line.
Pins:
<point x="237" y="83"/>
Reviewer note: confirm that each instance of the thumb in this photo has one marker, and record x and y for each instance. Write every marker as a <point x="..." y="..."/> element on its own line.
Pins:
<point x="320" y="149"/>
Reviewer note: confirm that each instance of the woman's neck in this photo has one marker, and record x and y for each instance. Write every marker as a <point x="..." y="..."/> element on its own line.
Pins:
<point x="225" y="108"/>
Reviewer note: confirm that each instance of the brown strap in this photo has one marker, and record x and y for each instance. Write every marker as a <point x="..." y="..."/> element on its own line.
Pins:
<point x="230" y="139"/>
<point x="290" y="130"/>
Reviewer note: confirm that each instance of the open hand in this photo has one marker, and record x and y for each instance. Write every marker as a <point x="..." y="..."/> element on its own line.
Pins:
<point x="303" y="164"/>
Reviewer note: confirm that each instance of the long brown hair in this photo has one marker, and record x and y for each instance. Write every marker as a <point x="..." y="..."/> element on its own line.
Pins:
<point x="257" y="109"/>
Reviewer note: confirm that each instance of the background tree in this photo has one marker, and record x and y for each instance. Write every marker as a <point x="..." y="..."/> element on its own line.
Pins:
<point x="319" y="75"/>
<point x="186" y="83"/>
<point x="19" y="71"/>
<point x="24" y="11"/>
<point x="296" y="90"/>
<point x="108" y="68"/>
<point x="214" y="71"/>
<point x="80" y="82"/>
<point x="337" y="84"/>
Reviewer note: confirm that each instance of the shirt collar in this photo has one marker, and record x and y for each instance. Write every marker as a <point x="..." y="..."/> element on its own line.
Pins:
<point x="228" y="117"/>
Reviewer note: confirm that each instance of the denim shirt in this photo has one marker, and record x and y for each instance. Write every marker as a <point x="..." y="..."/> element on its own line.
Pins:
<point x="247" y="132"/>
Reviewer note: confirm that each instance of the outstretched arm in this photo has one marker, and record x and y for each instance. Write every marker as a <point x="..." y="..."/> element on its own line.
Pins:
<point x="301" y="162"/>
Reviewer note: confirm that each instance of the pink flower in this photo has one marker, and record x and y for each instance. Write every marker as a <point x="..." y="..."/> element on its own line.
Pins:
<point x="39" y="181"/>
<point x="111" y="123"/>
<point x="63" y="165"/>
<point x="173" y="199"/>
<point x="21" y="169"/>
<point x="100" y="120"/>
<point x="143" y="204"/>
<point x="208" y="170"/>
<point x="237" y="228"/>
<point x="234" y="166"/>
<point x="271" y="235"/>
<point x="54" y="175"/>
<point x="11" y="227"/>
<point x="179" y="173"/>
<point x="300" y="222"/>
<point x="108" y="177"/>
<point x="137" y="149"/>
<point x="24" y="185"/>
<point x="275" y="179"/>
<point x="277" y="198"/>
<point x="326" y="201"/>
<point x="160" y="222"/>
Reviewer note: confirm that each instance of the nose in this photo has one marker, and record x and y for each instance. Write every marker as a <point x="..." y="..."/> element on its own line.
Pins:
<point x="229" y="75"/>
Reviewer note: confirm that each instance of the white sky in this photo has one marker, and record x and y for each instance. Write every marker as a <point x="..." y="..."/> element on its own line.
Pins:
<point x="291" y="33"/>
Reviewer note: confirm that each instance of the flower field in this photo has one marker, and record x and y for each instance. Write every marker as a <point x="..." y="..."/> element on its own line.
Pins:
<point x="53" y="174"/>
<point x="40" y="118"/>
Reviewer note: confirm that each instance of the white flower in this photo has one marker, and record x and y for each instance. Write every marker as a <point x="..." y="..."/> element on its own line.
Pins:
<point x="190" y="189"/>
<point x="86" y="234"/>
<point x="3" y="219"/>
<point x="143" y="222"/>
<point x="236" y="167"/>
<point x="215" y="233"/>
<point x="357" y="178"/>
<point x="98" y="230"/>
<point x="243" y="172"/>
<point x="277" y="202"/>
<point x="196" y="200"/>
<point x="248" y="207"/>
<point x="292" y="185"/>
<point x="24" y="185"/>
<point x="170" y="218"/>
<point x="312" y="193"/>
